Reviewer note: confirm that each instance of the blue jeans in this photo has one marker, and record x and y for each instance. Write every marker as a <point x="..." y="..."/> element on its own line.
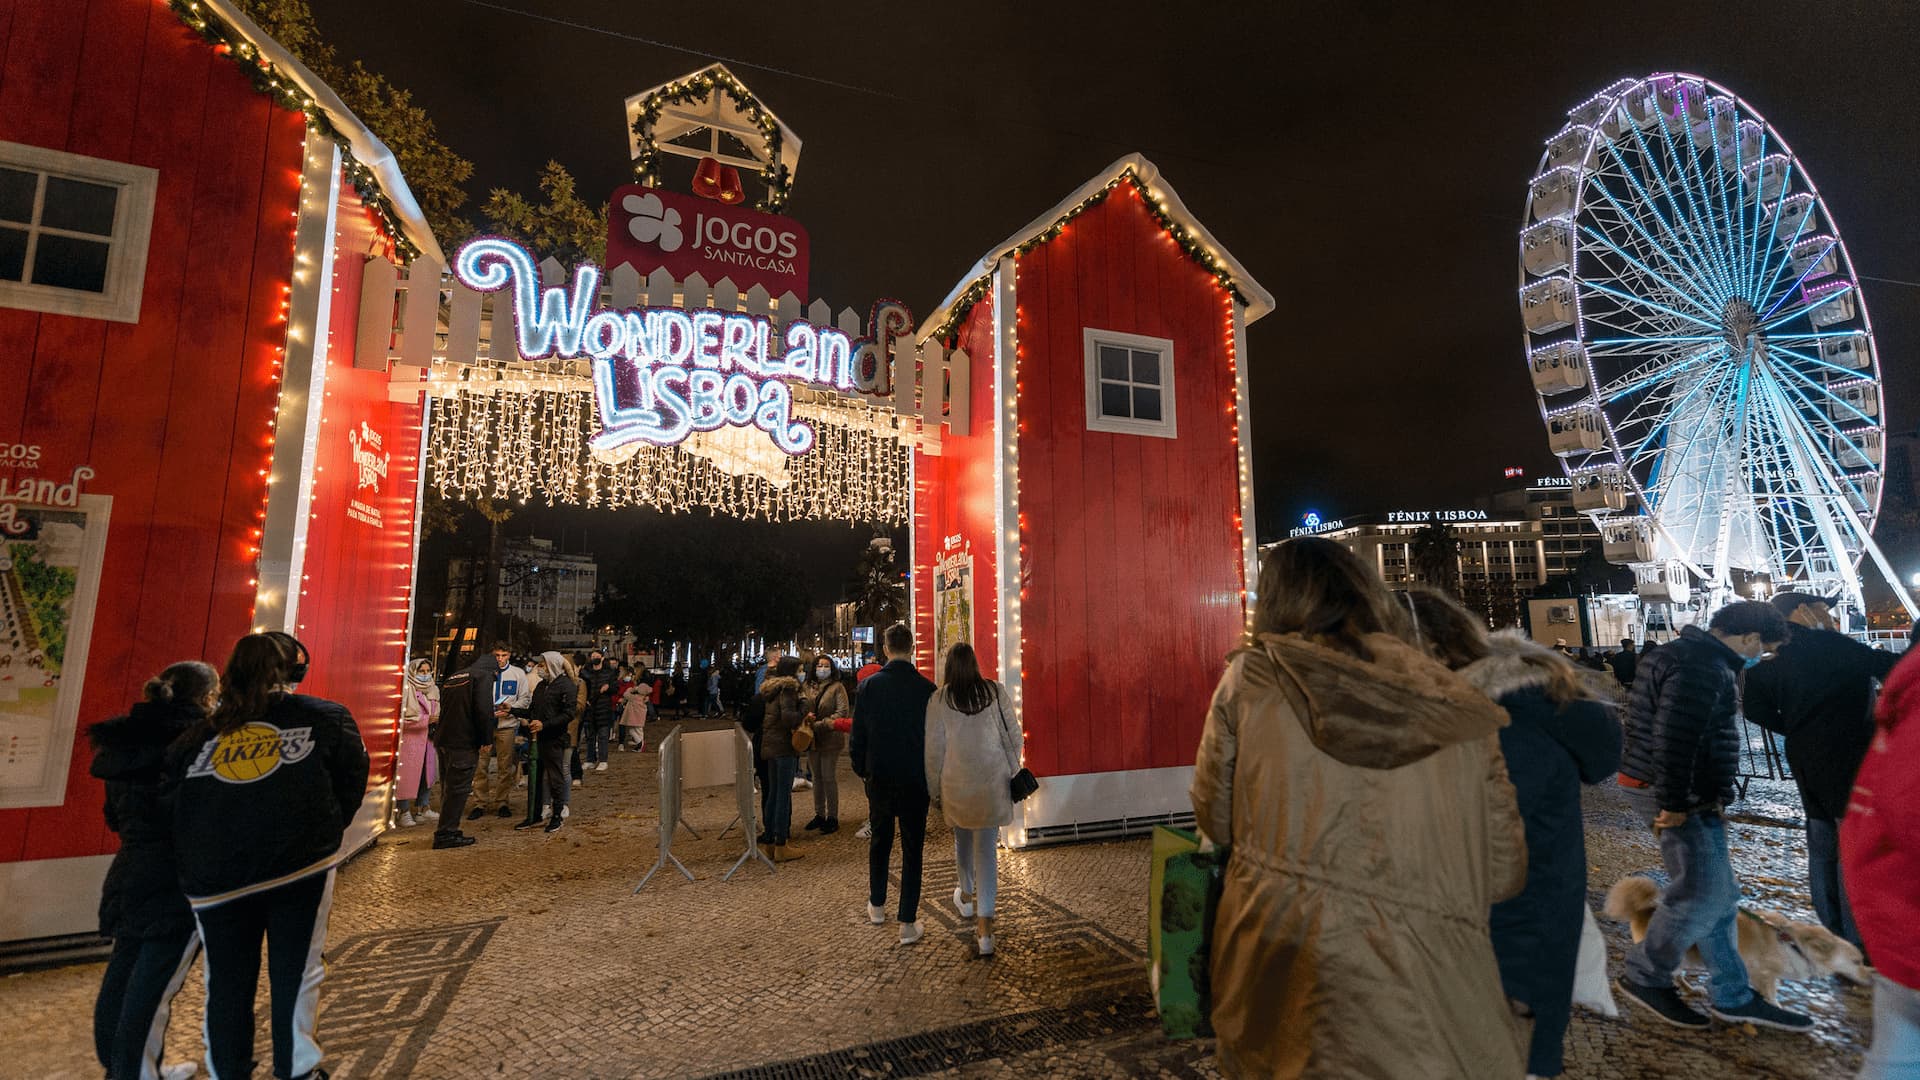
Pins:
<point x="1697" y="910"/>
<point x="1896" y="1032"/>
<point x="976" y="853"/>
<point x="776" y="797"/>
<point x="595" y="735"/>
<point x="1823" y="879"/>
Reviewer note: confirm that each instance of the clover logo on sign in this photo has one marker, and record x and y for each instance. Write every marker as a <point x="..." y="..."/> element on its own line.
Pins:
<point x="651" y="222"/>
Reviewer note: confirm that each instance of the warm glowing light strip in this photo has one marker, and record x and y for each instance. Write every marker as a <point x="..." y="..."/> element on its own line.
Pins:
<point x="302" y="376"/>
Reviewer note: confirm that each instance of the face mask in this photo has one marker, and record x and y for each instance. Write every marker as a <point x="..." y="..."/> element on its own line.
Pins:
<point x="801" y="675"/>
<point x="821" y="673"/>
<point x="1752" y="661"/>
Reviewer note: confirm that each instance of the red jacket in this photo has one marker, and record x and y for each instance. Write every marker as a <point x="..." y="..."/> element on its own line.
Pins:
<point x="1880" y="836"/>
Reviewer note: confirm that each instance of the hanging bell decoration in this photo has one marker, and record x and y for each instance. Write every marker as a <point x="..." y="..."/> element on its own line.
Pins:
<point x="730" y="190"/>
<point x="721" y="183"/>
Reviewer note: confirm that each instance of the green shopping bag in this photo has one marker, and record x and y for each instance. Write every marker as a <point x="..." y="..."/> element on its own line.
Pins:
<point x="1181" y="900"/>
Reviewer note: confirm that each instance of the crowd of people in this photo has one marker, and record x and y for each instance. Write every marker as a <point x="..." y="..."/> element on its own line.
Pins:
<point x="231" y="793"/>
<point x="1399" y="791"/>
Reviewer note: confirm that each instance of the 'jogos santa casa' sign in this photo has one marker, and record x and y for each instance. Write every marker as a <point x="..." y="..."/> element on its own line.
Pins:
<point x="650" y="229"/>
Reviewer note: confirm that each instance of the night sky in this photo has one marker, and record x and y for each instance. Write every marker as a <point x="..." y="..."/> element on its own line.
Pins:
<point x="1368" y="165"/>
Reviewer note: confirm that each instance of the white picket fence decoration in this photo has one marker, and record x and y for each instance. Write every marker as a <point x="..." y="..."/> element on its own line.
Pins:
<point x="450" y="330"/>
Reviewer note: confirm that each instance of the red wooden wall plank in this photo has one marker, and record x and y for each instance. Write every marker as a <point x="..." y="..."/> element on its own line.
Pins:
<point x="203" y="406"/>
<point x="1135" y="656"/>
<point x="234" y="530"/>
<point x="43" y="62"/>
<point x="1040" y="660"/>
<point x="1058" y="355"/>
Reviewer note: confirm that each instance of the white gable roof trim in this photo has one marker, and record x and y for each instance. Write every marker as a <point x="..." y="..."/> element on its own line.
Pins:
<point x="1161" y="199"/>
<point x="393" y="200"/>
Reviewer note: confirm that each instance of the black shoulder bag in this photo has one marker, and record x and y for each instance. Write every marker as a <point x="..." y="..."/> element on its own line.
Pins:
<point x="1023" y="783"/>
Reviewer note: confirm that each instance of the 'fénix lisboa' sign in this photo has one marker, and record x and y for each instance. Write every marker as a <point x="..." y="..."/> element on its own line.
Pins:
<point x="661" y="374"/>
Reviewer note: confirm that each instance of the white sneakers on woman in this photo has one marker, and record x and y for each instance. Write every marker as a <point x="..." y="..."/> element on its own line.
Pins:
<point x="910" y="932"/>
<point x="876" y="915"/>
<point x="962" y="904"/>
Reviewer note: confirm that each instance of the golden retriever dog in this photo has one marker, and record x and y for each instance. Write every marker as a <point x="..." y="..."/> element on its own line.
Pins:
<point x="1773" y="946"/>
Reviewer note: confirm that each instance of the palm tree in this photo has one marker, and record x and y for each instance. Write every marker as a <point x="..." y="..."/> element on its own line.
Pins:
<point x="1435" y="556"/>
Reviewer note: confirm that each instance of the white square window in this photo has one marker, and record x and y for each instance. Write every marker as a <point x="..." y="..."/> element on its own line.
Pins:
<point x="1130" y="384"/>
<point x="73" y="233"/>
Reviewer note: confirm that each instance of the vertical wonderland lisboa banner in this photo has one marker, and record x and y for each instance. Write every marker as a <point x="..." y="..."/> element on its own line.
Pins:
<point x="52" y="540"/>
<point x="952" y="602"/>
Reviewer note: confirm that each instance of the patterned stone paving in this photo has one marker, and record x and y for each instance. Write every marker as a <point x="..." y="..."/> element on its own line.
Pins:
<point x="529" y="955"/>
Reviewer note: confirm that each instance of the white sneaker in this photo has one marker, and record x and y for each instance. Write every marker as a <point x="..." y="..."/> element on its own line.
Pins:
<point x="960" y="903"/>
<point x="602" y="767"/>
<point x="985" y="945"/>
<point x="427" y="815"/>
<point x="179" y="1070"/>
<point x="801" y="783"/>
<point x="407" y="822"/>
<point x="564" y="811"/>
<point x="876" y="915"/>
<point x="866" y="830"/>
<point x="576" y="783"/>
<point x="909" y="932"/>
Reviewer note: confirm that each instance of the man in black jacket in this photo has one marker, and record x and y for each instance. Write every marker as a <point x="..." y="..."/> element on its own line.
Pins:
<point x="596" y="726"/>
<point x="1818" y="692"/>
<point x="888" y="749"/>
<point x="1682" y="750"/>
<point x="462" y="731"/>
<point x="1624" y="663"/>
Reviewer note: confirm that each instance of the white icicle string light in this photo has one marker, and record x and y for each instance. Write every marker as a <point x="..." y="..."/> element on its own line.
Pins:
<point x="523" y="446"/>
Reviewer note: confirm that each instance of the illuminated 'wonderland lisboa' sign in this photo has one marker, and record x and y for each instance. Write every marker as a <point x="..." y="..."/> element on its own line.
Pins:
<point x="661" y="374"/>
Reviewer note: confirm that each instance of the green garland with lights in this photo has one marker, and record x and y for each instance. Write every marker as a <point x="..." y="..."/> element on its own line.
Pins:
<point x="271" y="81"/>
<point x="1185" y="237"/>
<point x="697" y="88"/>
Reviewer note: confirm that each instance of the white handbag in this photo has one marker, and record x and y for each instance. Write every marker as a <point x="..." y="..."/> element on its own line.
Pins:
<point x="1590" y="985"/>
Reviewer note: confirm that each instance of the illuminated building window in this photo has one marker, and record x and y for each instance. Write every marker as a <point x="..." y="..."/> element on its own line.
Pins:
<point x="1130" y="388"/>
<point x="73" y="233"/>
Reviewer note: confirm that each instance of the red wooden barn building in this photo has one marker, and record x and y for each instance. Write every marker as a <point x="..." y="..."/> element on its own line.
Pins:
<point x="188" y="449"/>
<point x="1092" y="533"/>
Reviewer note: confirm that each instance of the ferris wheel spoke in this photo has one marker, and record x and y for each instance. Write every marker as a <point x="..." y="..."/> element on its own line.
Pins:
<point x="1701" y="290"/>
<point x="1757" y="257"/>
<point x="1827" y="392"/>
<point x="1774" y="346"/>
<point x="1666" y="419"/>
<point x="1702" y="266"/>
<point x="1769" y="320"/>
<point x="1695" y="185"/>
<point x="1653" y="374"/>
<point x="1697" y="221"/>
<point x="1780" y="258"/>
<point x="1642" y="301"/>
<point x="1793" y="423"/>
<point x="1690" y="292"/>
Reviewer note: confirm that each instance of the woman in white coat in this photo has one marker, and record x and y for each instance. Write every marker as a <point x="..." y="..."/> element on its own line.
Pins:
<point x="973" y="751"/>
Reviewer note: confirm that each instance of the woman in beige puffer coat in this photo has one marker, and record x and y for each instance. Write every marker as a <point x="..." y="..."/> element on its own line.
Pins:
<point x="973" y="750"/>
<point x="1361" y="789"/>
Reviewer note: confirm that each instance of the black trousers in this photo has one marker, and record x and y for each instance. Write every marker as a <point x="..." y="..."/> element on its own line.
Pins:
<point x="293" y="920"/>
<point x="908" y="804"/>
<point x="457" y="764"/>
<point x="556" y="763"/>
<point x="136" y="998"/>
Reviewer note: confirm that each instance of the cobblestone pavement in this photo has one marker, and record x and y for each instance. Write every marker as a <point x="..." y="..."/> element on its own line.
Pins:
<point x="529" y="955"/>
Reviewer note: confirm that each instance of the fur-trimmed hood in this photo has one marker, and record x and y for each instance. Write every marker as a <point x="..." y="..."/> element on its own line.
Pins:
<point x="774" y="685"/>
<point x="1383" y="713"/>
<point x="1515" y="662"/>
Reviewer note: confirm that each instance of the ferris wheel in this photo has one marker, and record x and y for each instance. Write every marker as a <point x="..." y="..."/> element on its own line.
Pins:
<point x="1701" y="348"/>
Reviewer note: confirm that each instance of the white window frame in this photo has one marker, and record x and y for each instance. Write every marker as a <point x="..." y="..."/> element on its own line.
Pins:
<point x="1167" y="427"/>
<point x="127" y="246"/>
